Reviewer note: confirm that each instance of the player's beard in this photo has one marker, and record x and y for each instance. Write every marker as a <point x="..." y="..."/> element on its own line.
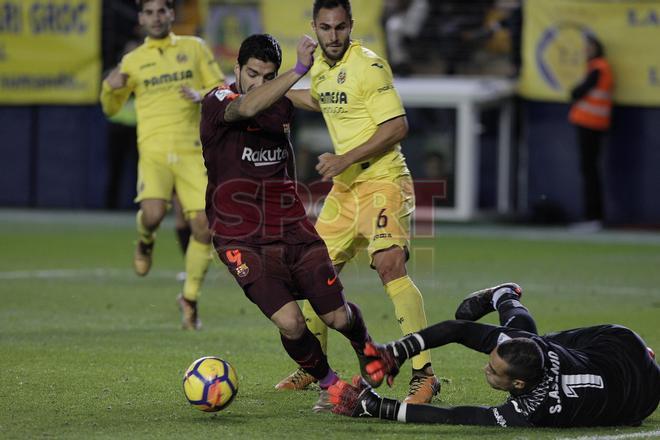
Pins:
<point x="340" y="55"/>
<point x="160" y="34"/>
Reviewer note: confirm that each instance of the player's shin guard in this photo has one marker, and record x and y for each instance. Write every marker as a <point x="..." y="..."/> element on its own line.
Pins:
<point x="146" y="236"/>
<point x="409" y="310"/>
<point x="357" y="331"/>
<point x="316" y="325"/>
<point x="307" y="353"/>
<point x="513" y="314"/>
<point x="198" y="258"/>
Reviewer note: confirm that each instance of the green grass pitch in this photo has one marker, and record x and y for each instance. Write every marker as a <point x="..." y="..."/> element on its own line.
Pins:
<point x="88" y="350"/>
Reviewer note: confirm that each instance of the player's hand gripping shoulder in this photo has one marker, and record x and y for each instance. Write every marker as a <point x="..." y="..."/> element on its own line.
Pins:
<point x="386" y="361"/>
<point x="354" y="400"/>
<point x="116" y="79"/>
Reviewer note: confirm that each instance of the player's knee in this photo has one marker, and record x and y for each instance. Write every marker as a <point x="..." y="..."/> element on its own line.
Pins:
<point x="202" y="236"/>
<point x="390" y="264"/>
<point x="152" y="216"/>
<point x="291" y="327"/>
<point x="337" y="319"/>
<point x="200" y="228"/>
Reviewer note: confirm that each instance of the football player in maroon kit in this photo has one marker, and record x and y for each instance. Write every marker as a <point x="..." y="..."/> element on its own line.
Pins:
<point x="259" y="225"/>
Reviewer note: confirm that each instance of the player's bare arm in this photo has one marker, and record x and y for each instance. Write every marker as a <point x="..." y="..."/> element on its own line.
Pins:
<point x="388" y="134"/>
<point x="262" y="97"/>
<point x="116" y="79"/>
<point x="302" y="99"/>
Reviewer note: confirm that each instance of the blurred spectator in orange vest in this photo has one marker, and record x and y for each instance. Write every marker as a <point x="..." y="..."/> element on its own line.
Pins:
<point x="591" y="114"/>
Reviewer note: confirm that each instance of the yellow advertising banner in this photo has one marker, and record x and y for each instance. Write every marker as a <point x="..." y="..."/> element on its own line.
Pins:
<point x="554" y="47"/>
<point x="288" y="21"/>
<point x="228" y="23"/>
<point x="50" y="51"/>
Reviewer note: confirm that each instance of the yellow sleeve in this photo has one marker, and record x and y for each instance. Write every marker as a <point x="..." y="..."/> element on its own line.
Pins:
<point x="381" y="98"/>
<point x="313" y="92"/>
<point x="211" y="74"/>
<point x="313" y="75"/>
<point x="112" y="100"/>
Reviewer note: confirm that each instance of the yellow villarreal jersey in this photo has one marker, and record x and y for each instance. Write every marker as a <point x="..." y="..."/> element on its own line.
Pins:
<point x="356" y="95"/>
<point x="156" y="71"/>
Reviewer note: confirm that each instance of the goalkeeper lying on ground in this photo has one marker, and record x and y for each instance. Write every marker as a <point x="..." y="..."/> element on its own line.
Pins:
<point x="593" y="376"/>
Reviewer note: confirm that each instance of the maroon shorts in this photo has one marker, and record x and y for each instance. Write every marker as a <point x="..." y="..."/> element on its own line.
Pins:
<point x="273" y="274"/>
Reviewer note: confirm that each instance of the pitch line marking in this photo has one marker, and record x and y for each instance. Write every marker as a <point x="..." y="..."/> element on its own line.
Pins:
<point x="645" y="434"/>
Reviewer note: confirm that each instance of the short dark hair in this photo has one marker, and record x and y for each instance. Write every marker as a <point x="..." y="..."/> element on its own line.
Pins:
<point x="263" y="47"/>
<point x="598" y="45"/>
<point x="331" y="4"/>
<point x="525" y="359"/>
<point x="141" y="3"/>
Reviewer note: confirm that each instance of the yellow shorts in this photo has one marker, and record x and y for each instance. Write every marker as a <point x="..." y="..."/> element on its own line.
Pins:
<point x="161" y="172"/>
<point x="374" y="214"/>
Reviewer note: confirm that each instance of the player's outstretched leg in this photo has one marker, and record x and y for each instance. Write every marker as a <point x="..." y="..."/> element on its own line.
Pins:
<point x="480" y="303"/>
<point x="513" y="314"/>
<point x="505" y="298"/>
<point x="356" y="332"/>
<point x="305" y="350"/>
<point x="409" y="310"/>
<point x="300" y="379"/>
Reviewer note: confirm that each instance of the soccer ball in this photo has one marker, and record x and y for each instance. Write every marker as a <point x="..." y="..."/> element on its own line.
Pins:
<point x="210" y="384"/>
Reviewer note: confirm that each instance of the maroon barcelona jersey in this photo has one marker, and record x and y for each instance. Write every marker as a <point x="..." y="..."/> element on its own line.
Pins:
<point x="251" y="193"/>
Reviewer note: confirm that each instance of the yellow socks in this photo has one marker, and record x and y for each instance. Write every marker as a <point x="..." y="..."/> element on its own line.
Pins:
<point x="315" y="325"/>
<point x="198" y="258"/>
<point x="409" y="311"/>
<point x="146" y="235"/>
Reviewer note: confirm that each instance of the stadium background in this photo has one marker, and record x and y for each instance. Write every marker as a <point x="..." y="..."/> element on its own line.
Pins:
<point x="54" y="136"/>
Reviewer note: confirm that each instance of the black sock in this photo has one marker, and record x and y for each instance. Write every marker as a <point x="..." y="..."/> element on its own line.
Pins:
<point x="183" y="235"/>
<point x="357" y="332"/>
<point x="506" y="297"/>
<point x="514" y="315"/>
<point x="307" y="353"/>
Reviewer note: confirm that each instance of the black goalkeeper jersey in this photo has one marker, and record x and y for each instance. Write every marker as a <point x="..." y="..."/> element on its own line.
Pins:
<point x="594" y="376"/>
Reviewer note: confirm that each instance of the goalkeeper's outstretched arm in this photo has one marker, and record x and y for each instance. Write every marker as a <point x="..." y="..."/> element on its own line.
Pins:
<point x="462" y="415"/>
<point x="360" y="400"/>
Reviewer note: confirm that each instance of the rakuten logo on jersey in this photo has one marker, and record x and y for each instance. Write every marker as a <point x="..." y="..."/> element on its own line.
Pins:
<point x="263" y="157"/>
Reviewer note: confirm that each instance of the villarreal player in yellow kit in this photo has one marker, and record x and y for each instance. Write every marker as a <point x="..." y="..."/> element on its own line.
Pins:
<point x="168" y="75"/>
<point x="371" y="201"/>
